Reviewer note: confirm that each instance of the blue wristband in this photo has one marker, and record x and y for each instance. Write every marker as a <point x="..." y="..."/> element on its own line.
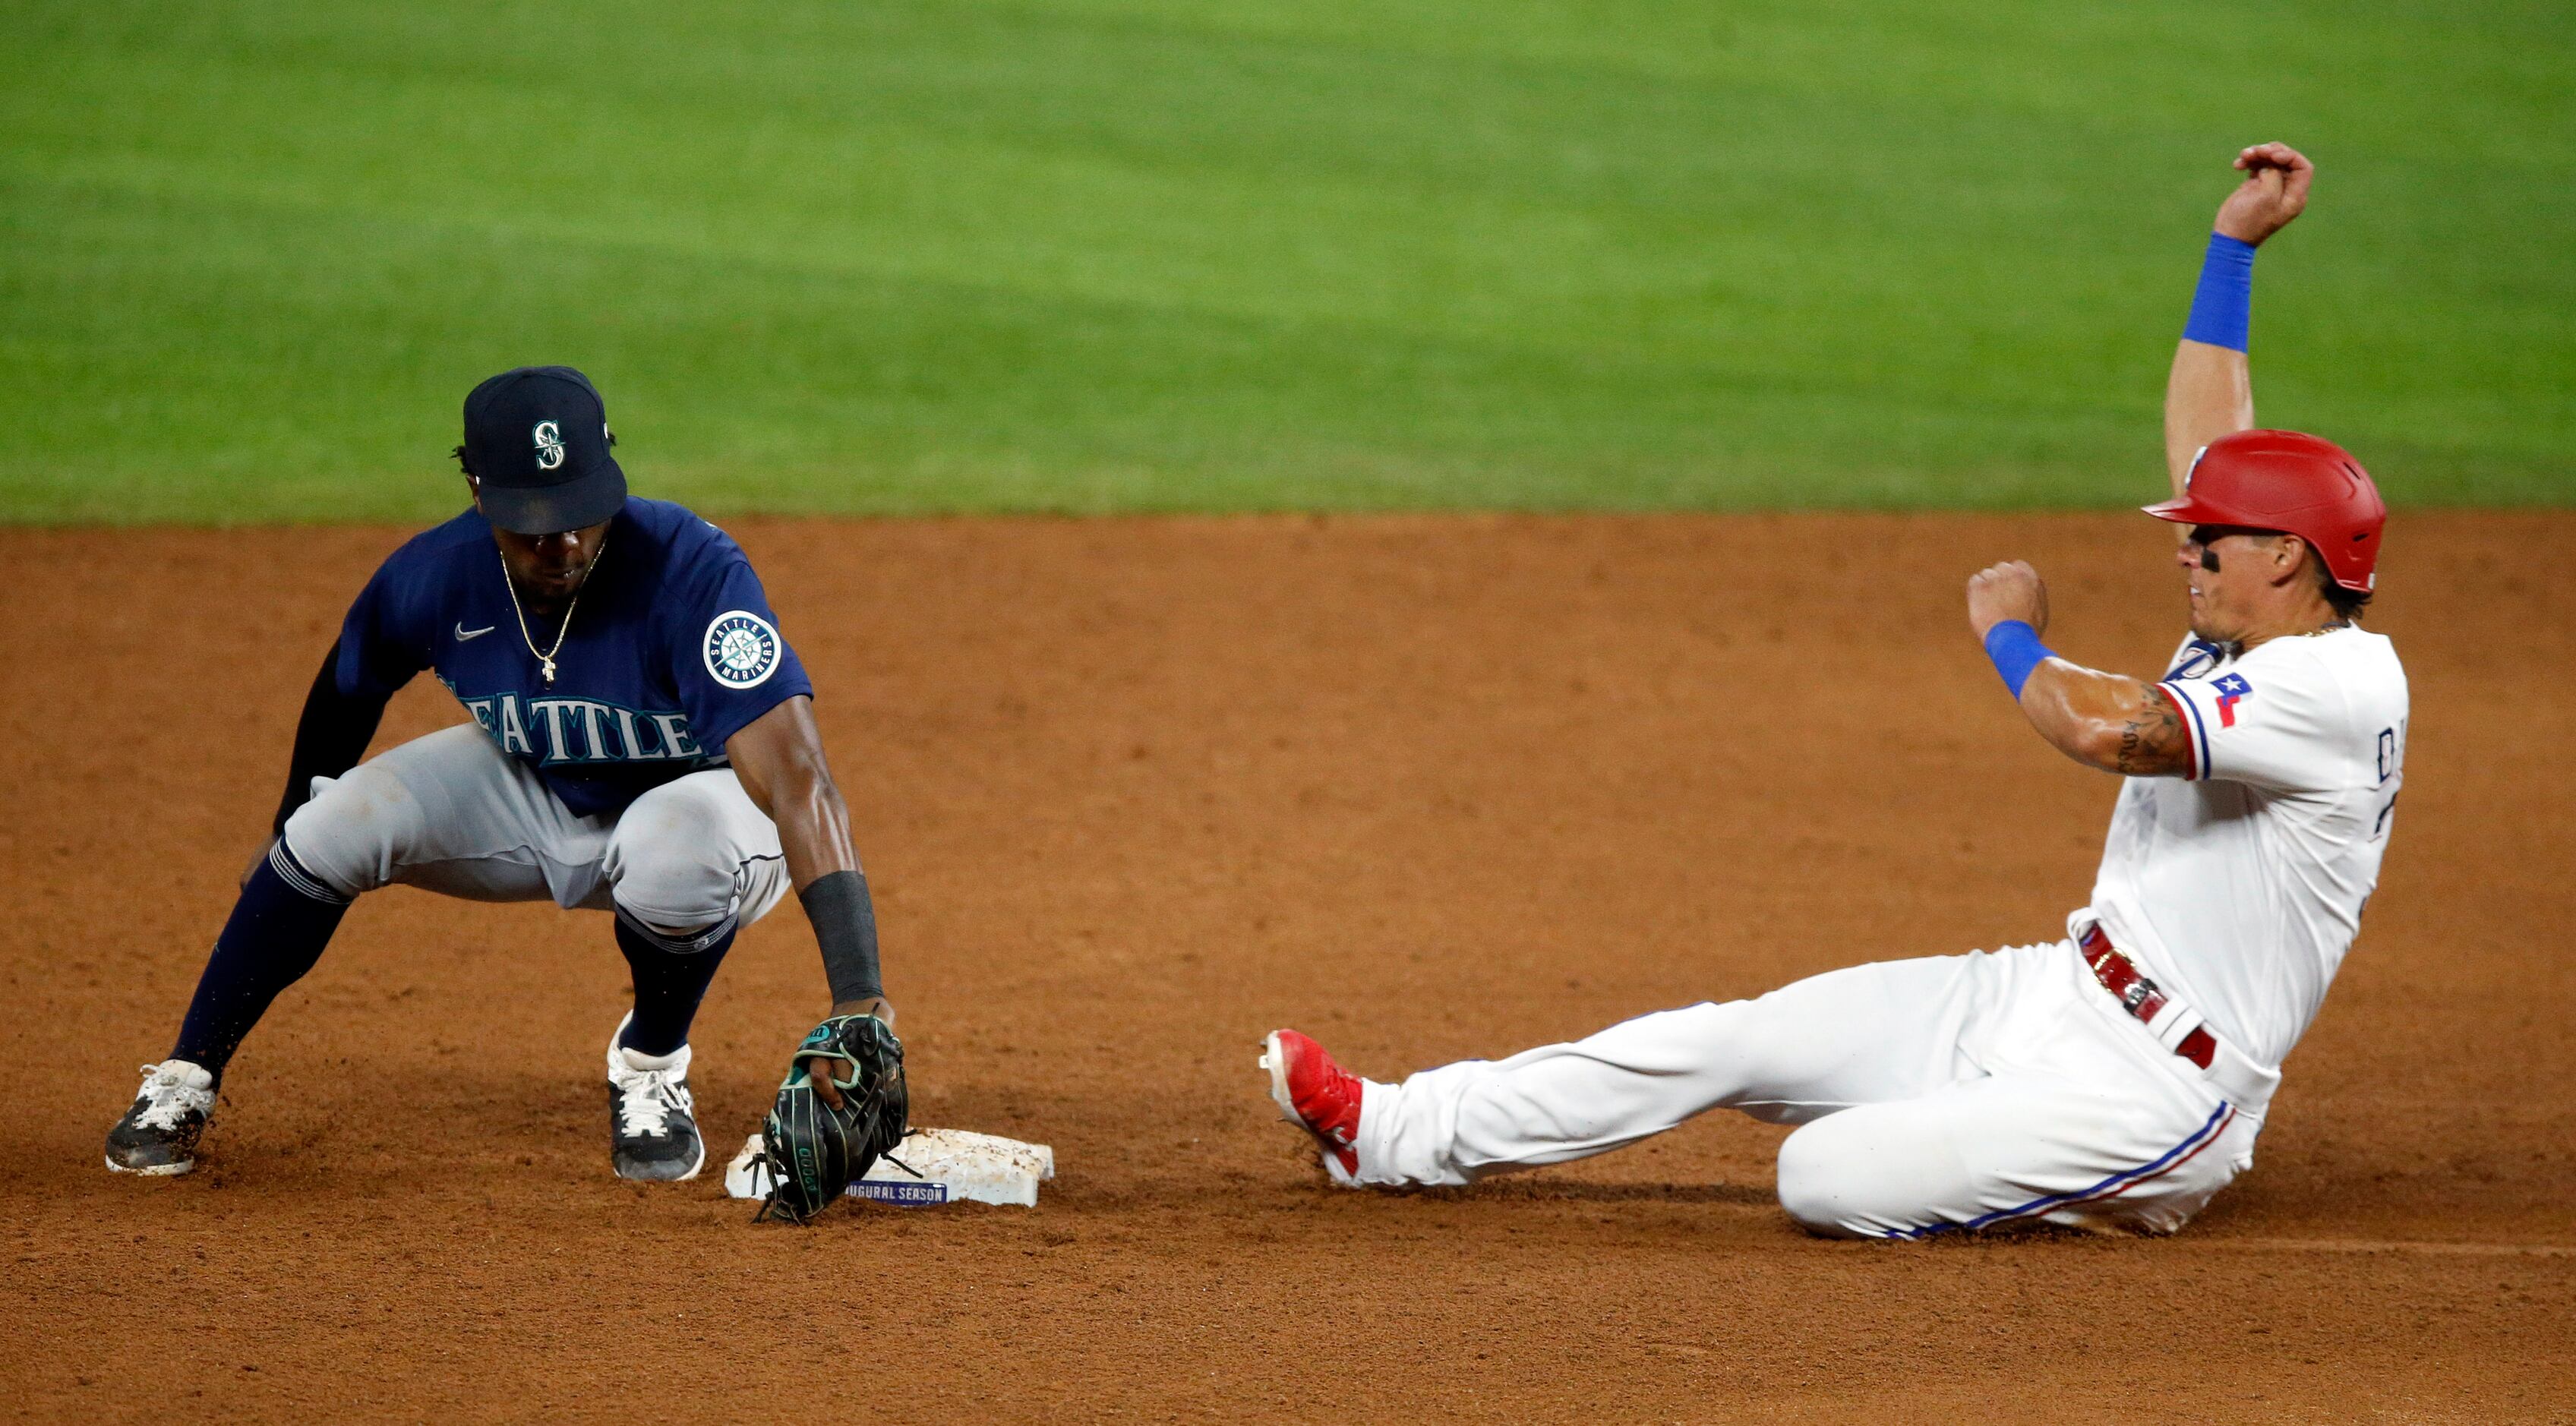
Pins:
<point x="2016" y="650"/>
<point x="2222" y="310"/>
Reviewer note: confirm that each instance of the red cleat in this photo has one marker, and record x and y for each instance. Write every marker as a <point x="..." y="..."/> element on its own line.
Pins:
<point x="1315" y="1094"/>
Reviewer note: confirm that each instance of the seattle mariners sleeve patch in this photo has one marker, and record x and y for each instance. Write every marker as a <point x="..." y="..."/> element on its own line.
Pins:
<point x="741" y="649"/>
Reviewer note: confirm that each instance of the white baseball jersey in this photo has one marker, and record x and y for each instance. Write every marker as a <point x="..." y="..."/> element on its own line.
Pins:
<point x="2239" y="888"/>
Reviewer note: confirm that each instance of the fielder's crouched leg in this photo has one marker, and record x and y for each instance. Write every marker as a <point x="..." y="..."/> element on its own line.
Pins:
<point x="685" y="865"/>
<point x="349" y="838"/>
<point x="688" y="865"/>
<point x="278" y="927"/>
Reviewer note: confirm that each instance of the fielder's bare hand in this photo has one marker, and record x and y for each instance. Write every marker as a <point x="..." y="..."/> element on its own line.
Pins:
<point x="2011" y="590"/>
<point x="2275" y="191"/>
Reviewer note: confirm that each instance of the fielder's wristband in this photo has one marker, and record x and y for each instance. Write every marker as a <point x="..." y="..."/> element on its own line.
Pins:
<point x="845" y="925"/>
<point x="2222" y="310"/>
<point x="2016" y="650"/>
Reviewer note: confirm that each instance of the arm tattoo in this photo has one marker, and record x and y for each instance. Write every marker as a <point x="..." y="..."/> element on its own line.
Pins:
<point x="2152" y="740"/>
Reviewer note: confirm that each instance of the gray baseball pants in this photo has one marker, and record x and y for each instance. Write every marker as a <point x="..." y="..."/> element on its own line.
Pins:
<point x="453" y="814"/>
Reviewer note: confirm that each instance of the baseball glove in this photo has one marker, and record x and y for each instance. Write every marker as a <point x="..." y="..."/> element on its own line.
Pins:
<point x="814" y="1150"/>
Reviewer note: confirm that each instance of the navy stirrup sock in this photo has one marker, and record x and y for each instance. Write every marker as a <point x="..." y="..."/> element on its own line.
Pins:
<point x="670" y="980"/>
<point x="277" y="931"/>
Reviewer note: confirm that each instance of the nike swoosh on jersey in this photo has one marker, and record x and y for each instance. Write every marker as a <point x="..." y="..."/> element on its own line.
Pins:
<point x="463" y="633"/>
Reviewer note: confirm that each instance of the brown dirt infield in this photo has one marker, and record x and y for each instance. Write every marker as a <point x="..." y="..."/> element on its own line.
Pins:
<point x="1133" y="792"/>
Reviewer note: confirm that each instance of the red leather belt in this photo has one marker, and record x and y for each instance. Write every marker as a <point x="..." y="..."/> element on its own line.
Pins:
<point x="2139" y="995"/>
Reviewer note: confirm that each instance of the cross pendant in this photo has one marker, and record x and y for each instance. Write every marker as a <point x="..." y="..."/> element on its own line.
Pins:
<point x="548" y="670"/>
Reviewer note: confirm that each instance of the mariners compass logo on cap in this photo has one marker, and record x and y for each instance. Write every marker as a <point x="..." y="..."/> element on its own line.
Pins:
<point x="549" y="440"/>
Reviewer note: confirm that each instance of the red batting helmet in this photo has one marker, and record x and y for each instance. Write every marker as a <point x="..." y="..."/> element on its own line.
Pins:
<point x="2282" y="480"/>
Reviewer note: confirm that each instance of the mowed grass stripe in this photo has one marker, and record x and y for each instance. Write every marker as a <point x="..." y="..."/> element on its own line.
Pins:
<point x="1140" y="256"/>
<point x="923" y="389"/>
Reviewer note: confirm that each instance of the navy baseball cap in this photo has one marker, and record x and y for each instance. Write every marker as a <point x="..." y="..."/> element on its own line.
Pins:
<point x="537" y="439"/>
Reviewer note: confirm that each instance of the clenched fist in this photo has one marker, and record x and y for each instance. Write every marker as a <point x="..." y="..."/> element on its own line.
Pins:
<point x="2275" y="191"/>
<point x="2011" y="590"/>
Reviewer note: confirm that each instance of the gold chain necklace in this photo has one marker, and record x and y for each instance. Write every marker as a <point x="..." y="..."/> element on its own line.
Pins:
<point x="546" y="657"/>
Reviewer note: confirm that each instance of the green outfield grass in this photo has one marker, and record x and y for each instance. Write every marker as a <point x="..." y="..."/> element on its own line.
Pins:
<point x="1223" y="254"/>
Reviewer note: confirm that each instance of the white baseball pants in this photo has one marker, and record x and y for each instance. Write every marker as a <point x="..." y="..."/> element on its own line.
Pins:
<point x="1956" y="1092"/>
<point x="453" y="814"/>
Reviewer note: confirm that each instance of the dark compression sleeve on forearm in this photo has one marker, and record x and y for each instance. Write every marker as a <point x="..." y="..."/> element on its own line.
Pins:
<point x="331" y="736"/>
<point x="845" y="925"/>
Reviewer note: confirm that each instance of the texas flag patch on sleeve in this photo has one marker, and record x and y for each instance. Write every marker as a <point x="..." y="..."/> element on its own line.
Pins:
<point x="2231" y="689"/>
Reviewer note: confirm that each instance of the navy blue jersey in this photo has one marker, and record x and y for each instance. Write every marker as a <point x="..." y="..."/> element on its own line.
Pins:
<point x="672" y="650"/>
